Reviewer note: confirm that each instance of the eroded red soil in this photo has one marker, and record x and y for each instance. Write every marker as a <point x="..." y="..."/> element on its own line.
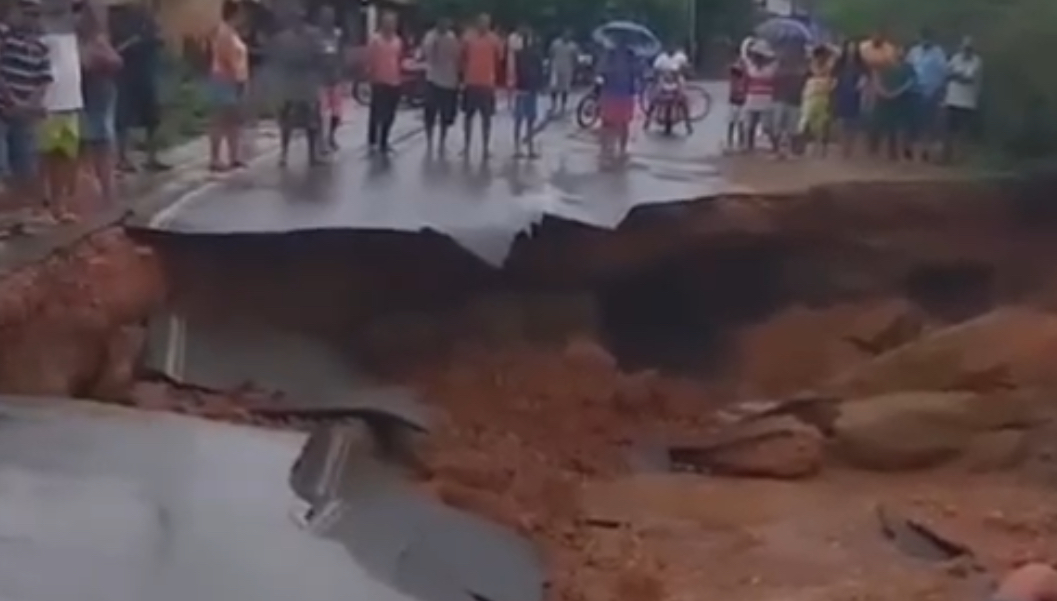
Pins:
<point x="538" y="435"/>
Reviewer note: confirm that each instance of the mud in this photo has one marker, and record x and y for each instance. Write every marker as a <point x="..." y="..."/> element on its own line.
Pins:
<point x="589" y="344"/>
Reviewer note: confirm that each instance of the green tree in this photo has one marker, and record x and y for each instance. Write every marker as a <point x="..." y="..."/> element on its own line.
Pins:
<point x="1013" y="36"/>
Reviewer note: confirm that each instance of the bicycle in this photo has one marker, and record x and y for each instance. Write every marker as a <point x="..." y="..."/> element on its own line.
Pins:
<point x="698" y="103"/>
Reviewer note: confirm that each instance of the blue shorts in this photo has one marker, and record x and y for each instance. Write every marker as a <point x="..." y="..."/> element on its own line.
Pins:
<point x="18" y="148"/>
<point x="222" y="93"/>
<point x="526" y="106"/>
<point x="97" y="121"/>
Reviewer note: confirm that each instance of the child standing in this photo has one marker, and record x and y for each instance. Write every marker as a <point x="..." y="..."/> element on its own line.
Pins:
<point x="738" y="91"/>
<point x="814" y="120"/>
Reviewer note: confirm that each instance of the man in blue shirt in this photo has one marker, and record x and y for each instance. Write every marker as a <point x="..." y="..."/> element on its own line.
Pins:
<point x="930" y="67"/>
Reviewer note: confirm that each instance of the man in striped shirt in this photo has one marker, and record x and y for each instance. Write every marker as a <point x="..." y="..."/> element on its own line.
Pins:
<point x="25" y="74"/>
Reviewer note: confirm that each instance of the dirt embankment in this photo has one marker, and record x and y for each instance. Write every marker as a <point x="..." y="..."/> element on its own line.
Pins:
<point x="864" y="291"/>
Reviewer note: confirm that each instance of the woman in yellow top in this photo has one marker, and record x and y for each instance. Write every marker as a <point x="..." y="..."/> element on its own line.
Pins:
<point x="228" y="75"/>
<point x="815" y="112"/>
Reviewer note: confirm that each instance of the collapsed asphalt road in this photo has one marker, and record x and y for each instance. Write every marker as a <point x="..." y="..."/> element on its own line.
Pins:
<point x="483" y="205"/>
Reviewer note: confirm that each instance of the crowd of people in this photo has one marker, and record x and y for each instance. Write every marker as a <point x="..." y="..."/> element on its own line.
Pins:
<point x="911" y="102"/>
<point x="468" y="71"/>
<point x="68" y="100"/>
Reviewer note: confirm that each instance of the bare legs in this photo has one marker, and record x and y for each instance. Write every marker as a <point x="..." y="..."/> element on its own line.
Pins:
<point x="224" y="129"/>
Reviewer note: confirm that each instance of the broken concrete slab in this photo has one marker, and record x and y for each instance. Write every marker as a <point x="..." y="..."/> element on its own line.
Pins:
<point x="105" y="504"/>
<point x="229" y="356"/>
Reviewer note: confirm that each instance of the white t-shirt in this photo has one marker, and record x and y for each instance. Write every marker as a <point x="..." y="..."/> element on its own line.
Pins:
<point x="64" y="93"/>
<point x="960" y="94"/>
<point x="671" y="63"/>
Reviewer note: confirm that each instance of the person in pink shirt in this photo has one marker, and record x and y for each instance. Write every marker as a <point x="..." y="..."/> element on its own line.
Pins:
<point x="384" y="54"/>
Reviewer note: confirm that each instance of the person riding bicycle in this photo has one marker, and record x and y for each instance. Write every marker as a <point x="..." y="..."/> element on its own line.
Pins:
<point x="672" y="62"/>
<point x="670" y="67"/>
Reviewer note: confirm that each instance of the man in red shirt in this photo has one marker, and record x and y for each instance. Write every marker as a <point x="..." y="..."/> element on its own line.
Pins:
<point x="482" y="51"/>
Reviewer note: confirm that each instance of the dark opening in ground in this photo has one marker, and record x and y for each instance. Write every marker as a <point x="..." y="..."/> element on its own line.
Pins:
<point x="952" y="292"/>
<point x="678" y="315"/>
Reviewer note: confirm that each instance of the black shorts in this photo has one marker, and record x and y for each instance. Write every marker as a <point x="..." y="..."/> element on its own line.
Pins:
<point x="137" y="105"/>
<point x="960" y="121"/>
<point x="440" y="103"/>
<point x="478" y="100"/>
<point x="299" y="114"/>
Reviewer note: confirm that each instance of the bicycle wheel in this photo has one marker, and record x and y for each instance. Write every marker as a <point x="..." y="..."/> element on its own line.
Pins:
<point x="361" y="93"/>
<point x="698" y="102"/>
<point x="587" y="111"/>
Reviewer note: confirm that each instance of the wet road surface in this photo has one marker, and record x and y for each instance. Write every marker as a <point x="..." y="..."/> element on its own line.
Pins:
<point x="105" y="504"/>
<point x="481" y="204"/>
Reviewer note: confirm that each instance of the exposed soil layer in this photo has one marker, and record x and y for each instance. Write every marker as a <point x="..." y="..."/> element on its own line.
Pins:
<point x="552" y="372"/>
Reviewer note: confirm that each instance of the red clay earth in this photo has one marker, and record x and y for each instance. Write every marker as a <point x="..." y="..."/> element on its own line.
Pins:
<point x="538" y="437"/>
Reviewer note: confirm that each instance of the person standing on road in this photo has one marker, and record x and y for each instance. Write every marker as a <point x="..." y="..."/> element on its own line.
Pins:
<point x="850" y="79"/>
<point x="529" y="83"/>
<point x="135" y="36"/>
<point x="620" y="84"/>
<point x="59" y="134"/>
<point x="878" y="56"/>
<point x="815" y="108"/>
<point x="930" y="66"/>
<point x="759" y="89"/>
<point x="789" y="83"/>
<point x="482" y="53"/>
<point x="895" y="105"/>
<point x="228" y="75"/>
<point x="441" y="52"/>
<point x="738" y="88"/>
<point x="508" y="69"/>
<point x="962" y="99"/>
<point x="298" y="60"/>
<point x="331" y="96"/>
<point x="564" y="53"/>
<point x="99" y="66"/>
<point x="385" y="54"/>
<point x="25" y="75"/>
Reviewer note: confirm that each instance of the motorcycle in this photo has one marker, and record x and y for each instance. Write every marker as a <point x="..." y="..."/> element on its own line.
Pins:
<point x="588" y="110"/>
<point x="667" y="106"/>
<point x="583" y="75"/>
